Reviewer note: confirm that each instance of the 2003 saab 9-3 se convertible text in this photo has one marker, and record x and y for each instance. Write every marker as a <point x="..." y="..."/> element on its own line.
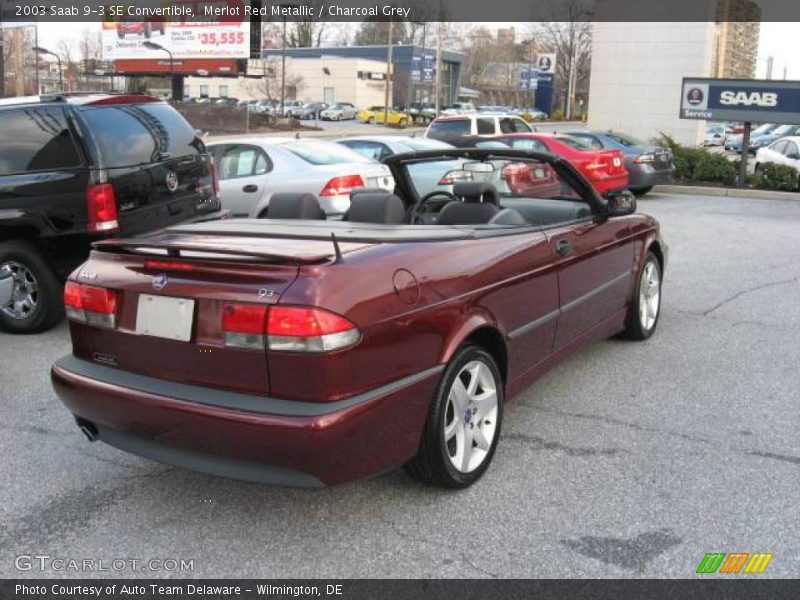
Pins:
<point x="303" y="351"/>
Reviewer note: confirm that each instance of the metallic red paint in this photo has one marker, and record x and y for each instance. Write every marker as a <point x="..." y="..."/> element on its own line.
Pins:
<point x="540" y="305"/>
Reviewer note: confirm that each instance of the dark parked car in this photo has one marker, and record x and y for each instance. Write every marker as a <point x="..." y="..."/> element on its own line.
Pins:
<point x="647" y="164"/>
<point x="301" y="351"/>
<point x="75" y="169"/>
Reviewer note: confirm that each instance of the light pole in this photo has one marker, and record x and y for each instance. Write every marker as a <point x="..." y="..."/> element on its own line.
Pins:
<point x="40" y="50"/>
<point x="386" y="98"/>
<point x="153" y="46"/>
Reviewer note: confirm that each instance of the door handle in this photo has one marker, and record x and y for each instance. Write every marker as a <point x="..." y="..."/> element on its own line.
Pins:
<point x="249" y="189"/>
<point x="563" y="247"/>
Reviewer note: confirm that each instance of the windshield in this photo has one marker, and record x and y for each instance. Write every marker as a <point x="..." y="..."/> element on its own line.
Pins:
<point x="762" y="129"/>
<point x="423" y="144"/>
<point x="783" y="129"/>
<point x="325" y="153"/>
<point x="574" y="142"/>
<point x="626" y="140"/>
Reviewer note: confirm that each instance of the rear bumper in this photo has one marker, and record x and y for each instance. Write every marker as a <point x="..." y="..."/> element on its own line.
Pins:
<point x="645" y="176"/>
<point x="248" y="437"/>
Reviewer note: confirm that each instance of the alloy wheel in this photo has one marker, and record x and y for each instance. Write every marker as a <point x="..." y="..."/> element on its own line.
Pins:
<point x="25" y="295"/>
<point x="649" y="296"/>
<point x="470" y="422"/>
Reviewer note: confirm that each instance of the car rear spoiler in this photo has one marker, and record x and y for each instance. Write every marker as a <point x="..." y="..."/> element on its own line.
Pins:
<point x="284" y="250"/>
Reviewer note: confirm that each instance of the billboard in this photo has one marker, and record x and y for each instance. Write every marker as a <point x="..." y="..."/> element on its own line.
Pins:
<point x="196" y="36"/>
<point x="749" y="100"/>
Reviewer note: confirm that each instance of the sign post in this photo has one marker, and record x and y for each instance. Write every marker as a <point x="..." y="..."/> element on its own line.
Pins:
<point x="744" y="100"/>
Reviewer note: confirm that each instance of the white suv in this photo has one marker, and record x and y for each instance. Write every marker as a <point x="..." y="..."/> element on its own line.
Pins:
<point x="456" y="126"/>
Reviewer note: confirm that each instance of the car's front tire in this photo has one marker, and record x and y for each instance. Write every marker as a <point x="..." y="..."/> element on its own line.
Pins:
<point x="464" y="422"/>
<point x="36" y="304"/>
<point x="645" y="307"/>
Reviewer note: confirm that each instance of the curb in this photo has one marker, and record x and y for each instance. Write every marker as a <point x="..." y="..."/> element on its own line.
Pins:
<point x="700" y="190"/>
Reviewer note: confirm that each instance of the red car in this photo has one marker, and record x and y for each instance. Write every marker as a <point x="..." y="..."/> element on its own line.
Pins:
<point x="145" y="28"/>
<point x="605" y="169"/>
<point x="300" y="351"/>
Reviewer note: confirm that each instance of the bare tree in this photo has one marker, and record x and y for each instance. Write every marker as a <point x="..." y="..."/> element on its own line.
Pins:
<point x="571" y="38"/>
<point x="269" y="84"/>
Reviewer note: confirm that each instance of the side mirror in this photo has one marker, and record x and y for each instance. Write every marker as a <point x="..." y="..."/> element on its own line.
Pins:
<point x="620" y="203"/>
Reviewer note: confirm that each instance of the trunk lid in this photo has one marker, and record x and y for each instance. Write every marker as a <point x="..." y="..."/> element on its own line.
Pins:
<point x="180" y="281"/>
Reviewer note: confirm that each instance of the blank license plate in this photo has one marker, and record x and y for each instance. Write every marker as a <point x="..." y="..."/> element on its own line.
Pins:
<point x="164" y="317"/>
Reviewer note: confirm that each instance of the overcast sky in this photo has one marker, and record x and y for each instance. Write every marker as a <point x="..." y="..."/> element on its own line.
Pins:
<point x="778" y="40"/>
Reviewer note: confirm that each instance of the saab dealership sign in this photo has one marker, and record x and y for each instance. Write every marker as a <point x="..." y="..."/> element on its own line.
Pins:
<point x="745" y="100"/>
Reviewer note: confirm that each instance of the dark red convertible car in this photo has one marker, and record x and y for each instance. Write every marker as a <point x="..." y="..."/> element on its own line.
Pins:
<point x="299" y="351"/>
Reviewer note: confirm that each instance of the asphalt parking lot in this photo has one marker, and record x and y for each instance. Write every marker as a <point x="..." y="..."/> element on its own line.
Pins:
<point x="627" y="460"/>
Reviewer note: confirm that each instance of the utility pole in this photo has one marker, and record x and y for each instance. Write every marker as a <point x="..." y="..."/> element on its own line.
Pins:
<point x="388" y="78"/>
<point x="19" y="65"/>
<point x="283" y="69"/>
<point x="2" y="61"/>
<point x="438" y="84"/>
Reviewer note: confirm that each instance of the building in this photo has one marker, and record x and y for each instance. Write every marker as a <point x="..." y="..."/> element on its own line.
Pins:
<point x="326" y="79"/>
<point x="638" y="66"/>
<point x="737" y="36"/>
<point x="413" y="69"/>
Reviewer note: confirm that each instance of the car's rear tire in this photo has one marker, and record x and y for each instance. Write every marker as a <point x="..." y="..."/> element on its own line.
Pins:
<point x="36" y="303"/>
<point x="403" y="122"/>
<point x="464" y="422"/>
<point x="371" y="121"/>
<point x="642" y="191"/>
<point x="645" y="306"/>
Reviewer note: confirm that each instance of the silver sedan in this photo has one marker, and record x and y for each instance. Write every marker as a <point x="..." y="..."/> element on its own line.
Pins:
<point x="251" y="170"/>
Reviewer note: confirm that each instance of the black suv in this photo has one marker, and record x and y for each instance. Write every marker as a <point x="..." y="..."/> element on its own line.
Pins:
<point x="77" y="168"/>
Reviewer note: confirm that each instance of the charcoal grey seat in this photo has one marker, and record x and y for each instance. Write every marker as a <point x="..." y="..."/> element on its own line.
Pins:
<point x="376" y="207"/>
<point x="295" y="205"/>
<point x="477" y="206"/>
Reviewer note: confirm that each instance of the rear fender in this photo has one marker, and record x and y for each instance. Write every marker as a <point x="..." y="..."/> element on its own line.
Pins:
<point x="471" y="323"/>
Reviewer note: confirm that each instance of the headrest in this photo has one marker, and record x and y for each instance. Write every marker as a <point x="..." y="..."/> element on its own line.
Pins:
<point x="294" y="205"/>
<point x="376" y="207"/>
<point x="476" y="191"/>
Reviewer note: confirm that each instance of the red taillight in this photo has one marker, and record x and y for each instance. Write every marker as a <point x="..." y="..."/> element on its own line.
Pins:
<point x="305" y="329"/>
<point x="305" y="322"/>
<point x="244" y="325"/>
<point x="286" y="328"/>
<point x="455" y="176"/>
<point x="101" y="204"/>
<point x="166" y="265"/>
<point x="90" y="304"/>
<point x="342" y="186"/>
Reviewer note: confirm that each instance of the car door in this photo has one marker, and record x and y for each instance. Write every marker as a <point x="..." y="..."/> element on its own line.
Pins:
<point x="774" y="152"/>
<point x="791" y="155"/>
<point x="594" y="259"/>
<point x="243" y="172"/>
